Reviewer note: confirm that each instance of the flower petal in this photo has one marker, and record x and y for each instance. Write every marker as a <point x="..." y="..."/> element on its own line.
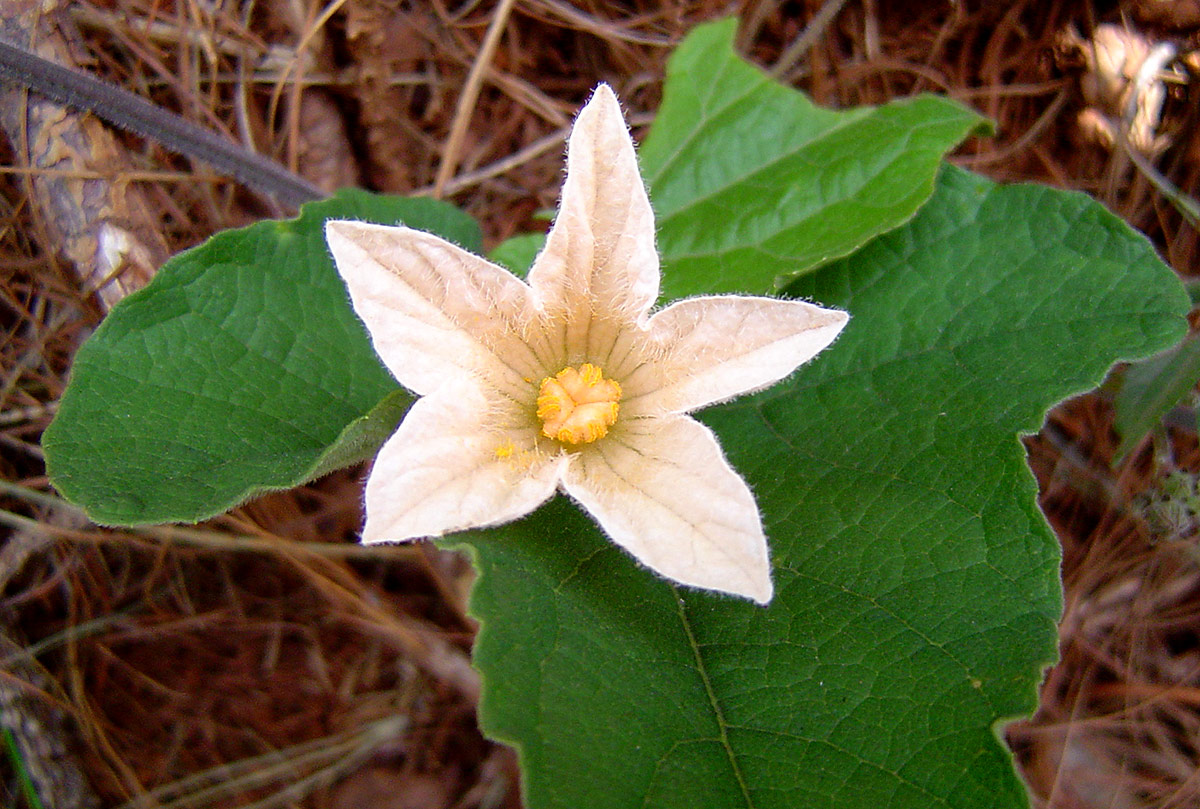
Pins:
<point x="448" y="468"/>
<point x="715" y="348"/>
<point x="599" y="256"/>
<point x="662" y="489"/>
<point x="434" y="310"/>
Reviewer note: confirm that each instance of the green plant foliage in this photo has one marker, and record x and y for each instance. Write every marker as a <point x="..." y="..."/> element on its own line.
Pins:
<point x="916" y="580"/>
<point x="240" y="368"/>
<point x="751" y="182"/>
<point x="1149" y="389"/>
<point x="517" y="254"/>
<point x="25" y="783"/>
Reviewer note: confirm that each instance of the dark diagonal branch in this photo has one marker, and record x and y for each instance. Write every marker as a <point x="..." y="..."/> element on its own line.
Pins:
<point x="128" y="111"/>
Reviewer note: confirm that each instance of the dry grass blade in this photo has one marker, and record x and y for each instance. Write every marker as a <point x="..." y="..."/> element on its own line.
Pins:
<point x="609" y="30"/>
<point x="425" y="647"/>
<point x="181" y="653"/>
<point x="41" y="731"/>
<point x="801" y="44"/>
<point x="128" y="111"/>
<point x="1187" y="205"/>
<point x="303" y="767"/>
<point x="469" y="94"/>
<point x="201" y="538"/>
<point x="514" y="161"/>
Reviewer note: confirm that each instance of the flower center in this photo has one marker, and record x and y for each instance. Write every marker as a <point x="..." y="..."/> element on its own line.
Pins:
<point x="578" y="405"/>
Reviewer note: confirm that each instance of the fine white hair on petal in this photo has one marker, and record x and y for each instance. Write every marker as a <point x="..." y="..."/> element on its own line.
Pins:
<point x="716" y="348"/>
<point x="434" y="310"/>
<point x="600" y="253"/>
<point x="476" y="342"/>
<point x="448" y="468"/>
<point x="663" y="490"/>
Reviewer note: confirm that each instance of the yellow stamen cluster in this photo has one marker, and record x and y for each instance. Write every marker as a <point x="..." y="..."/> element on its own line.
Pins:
<point x="577" y="406"/>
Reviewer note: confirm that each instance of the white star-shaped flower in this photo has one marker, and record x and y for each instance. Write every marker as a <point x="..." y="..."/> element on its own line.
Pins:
<point x="570" y="381"/>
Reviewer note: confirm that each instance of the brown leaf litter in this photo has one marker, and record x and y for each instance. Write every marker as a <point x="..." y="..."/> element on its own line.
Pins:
<point x="264" y="656"/>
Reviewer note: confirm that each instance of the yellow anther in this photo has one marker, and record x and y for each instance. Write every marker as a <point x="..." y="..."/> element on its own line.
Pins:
<point x="578" y="405"/>
<point x="592" y="376"/>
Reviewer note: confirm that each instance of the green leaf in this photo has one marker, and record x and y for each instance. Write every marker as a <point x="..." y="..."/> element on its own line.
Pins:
<point x="1149" y="389"/>
<point x="752" y="183"/>
<point x="28" y="790"/>
<point x="241" y="368"/>
<point x="365" y="435"/>
<point x="516" y="254"/>
<point x="916" y="581"/>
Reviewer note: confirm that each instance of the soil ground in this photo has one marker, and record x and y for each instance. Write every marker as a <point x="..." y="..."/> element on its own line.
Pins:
<point x="159" y="658"/>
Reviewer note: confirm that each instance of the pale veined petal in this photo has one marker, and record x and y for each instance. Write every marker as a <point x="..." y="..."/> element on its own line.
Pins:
<point x="599" y="258"/>
<point x="714" y="348"/>
<point x="478" y="345"/>
<point x="448" y="467"/>
<point x="662" y="489"/>
<point x="434" y="310"/>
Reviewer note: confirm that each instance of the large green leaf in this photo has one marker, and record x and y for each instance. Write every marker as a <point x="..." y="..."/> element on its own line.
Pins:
<point x="753" y="183"/>
<point x="240" y="368"/>
<point x="916" y="580"/>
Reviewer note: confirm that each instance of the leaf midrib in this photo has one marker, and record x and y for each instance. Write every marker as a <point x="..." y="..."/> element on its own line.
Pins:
<point x="780" y="157"/>
<point x="718" y="714"/>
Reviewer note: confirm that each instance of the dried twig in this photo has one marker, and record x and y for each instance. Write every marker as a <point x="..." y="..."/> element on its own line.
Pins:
<point x="807" y="38"/>
<point x="470" y="93"/>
